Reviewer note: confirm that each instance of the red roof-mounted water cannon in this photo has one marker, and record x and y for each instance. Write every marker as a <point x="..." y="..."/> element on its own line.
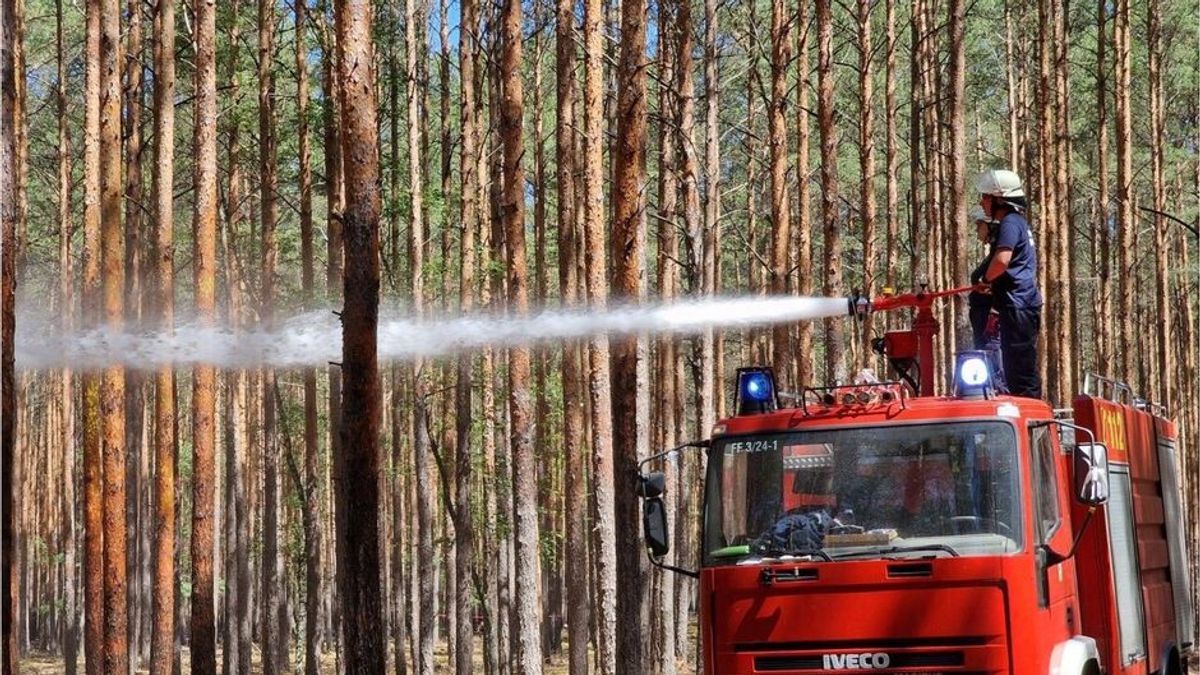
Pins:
<point x="909" y="351"/>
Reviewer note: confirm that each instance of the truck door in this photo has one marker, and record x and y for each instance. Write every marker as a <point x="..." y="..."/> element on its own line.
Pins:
<point x="1056" y="582"/>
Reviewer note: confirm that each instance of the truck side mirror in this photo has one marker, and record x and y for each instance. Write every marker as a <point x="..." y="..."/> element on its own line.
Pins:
<point x="1091" y="473"/>
<point x="654" y="526"/>
<point x="652" y="485"/>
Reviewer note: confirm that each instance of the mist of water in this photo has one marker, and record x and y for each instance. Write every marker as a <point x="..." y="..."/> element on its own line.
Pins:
<point x="314" y="338"/>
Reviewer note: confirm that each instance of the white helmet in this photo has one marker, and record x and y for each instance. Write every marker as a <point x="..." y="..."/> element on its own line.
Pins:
<point x="1000" y="183"/>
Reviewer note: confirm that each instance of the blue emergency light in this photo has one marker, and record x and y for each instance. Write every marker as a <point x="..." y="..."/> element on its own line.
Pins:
<point x="756" y="391"/>
<point x="973" y="375"/>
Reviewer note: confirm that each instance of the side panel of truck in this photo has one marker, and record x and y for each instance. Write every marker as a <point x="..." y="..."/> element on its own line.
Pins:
<point x="1125" y="576"/>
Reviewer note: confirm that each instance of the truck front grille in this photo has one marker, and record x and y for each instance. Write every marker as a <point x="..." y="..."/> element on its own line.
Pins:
<point x="899" y="661"/>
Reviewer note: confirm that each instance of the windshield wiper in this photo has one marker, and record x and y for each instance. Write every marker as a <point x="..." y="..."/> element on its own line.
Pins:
<point x="776" y="551"/>
<point x="946" y="548"/>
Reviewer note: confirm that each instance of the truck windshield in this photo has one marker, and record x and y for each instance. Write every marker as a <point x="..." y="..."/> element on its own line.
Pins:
<point x="896" y="491"/>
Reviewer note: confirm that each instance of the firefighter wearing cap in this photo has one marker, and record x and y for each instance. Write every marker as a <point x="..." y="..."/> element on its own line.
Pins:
<point x="1012" y="277"/>
<point x="985" y="320"/>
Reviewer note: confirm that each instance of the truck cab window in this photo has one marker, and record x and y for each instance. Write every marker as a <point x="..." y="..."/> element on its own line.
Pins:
<point x="945" y="488"/>
<point x="1045" y="483"/>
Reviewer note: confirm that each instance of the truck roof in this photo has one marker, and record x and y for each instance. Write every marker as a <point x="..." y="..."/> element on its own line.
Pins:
<point x="874" y="409"/>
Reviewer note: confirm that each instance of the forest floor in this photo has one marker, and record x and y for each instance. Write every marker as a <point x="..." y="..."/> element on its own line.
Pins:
<point x="52" y="664"/>
<point x="49" y="664"/>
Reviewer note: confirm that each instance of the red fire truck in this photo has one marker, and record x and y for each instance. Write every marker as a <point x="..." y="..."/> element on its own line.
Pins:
<point x="879" y="527"/>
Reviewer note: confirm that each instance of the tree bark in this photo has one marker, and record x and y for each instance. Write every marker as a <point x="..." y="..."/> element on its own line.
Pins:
<point x="574" y="404"/>
<point x="527" y="561"/>
<point x="1066" y="333"/>
<point x="464" y="530"/>
<point x="70" y="625"/>
<point x="237" y="646"/>
<point x="915" y="91"/>
<point x="604" y="532"/>
<point x="131" y="135"/>
<point x="163" y="621"/>
<point x="1103" y="313"/>
<point x="310" y="490"/>
<point x="203" y="623"/>
<point x="358" y="488"/>
<point x="94" y="608"/>
<point x="331" y="85"/>
<point x="781" y="218"/>
<point x="867" y="198"/>
<point x="627" y="252"/>
<point x="112" y="394"/>
<point x="1126" y="222"/>
<point x="803" y="230"/>
<point x="956" y="218"/>
<point x="665" y="416"/>
<point x="892" y="155"/>
<point x="274" y="637"/>
<point x="133" y="100"/>
<point x="1163" y="308"/>
<point x="425" y="482"/>
<point x="8" y="284"/>
<point x="709" y="354"/>
<point x="835" y="348"/>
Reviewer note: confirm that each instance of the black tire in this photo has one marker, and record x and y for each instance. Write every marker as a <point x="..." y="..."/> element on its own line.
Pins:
<point x="1174" y="665"/>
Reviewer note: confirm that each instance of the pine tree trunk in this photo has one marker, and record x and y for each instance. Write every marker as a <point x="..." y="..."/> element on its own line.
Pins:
<point x="835" y="359"/>
<point x="524" y="471"/>
<point x="448" y="458"/>
<point x="163" y="621"/>
<point x="709" y="353"/>
<point x="914" y="140"/>
<point x="358" y="489"/>
<point x="203" y="633"/>
<point x="551" y="613"/>
<point x="93" y="507"/>
<point x="781" y="218"/>
<point x="310" y="489"/>
<point x="273" y="603"/>
<point x="1066" y="334"/>
<point x="1046" y="230"/>
<point x="331" y="85"/>
<point x="604" y="531"/>
<point x="1163" y="305"/>
<point x="664" y="628"/>
<point x="70" y="626"/>
<point x="627" y="252"/>
<point x="955" y="220"/>
<point x="570" y="285"/>
<point x="1103" y="312"/>
<point x="237" y="645"/>
<point x="464" y="529"/>
<point x="9" y="591"/>
<point x="866" y="163"/>
<point x="1126" y="224"/>
<point x="425" y="485"/>
<point x="112" y="394"/>
<point x="892" y="155"/>
<point x="131" y="136"/>
<point x="803" y="228"/>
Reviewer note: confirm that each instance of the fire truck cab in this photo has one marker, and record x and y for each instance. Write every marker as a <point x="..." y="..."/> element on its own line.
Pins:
<point x="867" y="529"/>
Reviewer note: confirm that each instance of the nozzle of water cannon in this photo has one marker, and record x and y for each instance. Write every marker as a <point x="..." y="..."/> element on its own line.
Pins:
<point x="859" y="305"/>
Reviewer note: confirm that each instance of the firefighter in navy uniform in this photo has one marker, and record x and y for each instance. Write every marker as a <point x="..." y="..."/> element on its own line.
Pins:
<point x="1012" y="276"/>
<point x="985" y="320"/>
